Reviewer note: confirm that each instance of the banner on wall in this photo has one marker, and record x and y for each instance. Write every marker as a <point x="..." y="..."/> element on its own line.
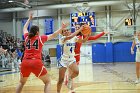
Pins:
<point x="23" y="23"/>
<point x="88" y="17"/>
<point x="49" y="22"/>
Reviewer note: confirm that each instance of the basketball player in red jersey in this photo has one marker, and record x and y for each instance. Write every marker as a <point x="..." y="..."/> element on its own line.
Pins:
<point x="79" y="44"/>
<point x="32" y="62"/>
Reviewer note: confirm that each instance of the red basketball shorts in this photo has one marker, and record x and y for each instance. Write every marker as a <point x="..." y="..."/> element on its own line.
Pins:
<point x="34" y="66"/>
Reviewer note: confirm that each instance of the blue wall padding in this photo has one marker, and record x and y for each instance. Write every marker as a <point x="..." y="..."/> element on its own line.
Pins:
<point x="58" y="52"/>
<point x="98" y="52"/>
<point x="109" y="51"/>
<point x="122" y="53"/>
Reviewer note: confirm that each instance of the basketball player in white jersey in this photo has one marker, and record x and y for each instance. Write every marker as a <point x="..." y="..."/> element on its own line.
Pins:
<point x="136" y="43"/>
<point x="68" y="41"/>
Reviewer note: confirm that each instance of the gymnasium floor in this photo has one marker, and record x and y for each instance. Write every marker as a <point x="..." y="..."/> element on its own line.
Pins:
<point x="93" y="78"/>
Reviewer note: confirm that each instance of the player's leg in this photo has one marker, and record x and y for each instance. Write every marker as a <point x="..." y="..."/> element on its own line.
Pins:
<point x="77" y="58"/>
<point x="46" y="80"/>
<point x="71" y="87"/>
<point x="24" y="74"/>
<point x="62" y="71"/>
<point x="73" y="72"/>
<point x="139" y="70"/>
<point x="21" y="84"/>
<point x="40" y="71"/>
<point x="137" y="67"/>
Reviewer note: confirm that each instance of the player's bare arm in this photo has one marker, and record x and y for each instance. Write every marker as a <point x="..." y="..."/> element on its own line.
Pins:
<point x="25" y="30"/>
<point x="132" y="47"/>
<point x="73" y="34"/>
<point x="57" y="32"/>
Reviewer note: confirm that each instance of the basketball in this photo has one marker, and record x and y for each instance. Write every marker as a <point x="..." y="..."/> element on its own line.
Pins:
<point x="86" y="30"/>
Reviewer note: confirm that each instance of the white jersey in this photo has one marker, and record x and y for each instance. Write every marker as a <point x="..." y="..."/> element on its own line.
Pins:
<point x="137" y="41"/>
<point x="68" y="46"/>
<point x="68" y="53"/>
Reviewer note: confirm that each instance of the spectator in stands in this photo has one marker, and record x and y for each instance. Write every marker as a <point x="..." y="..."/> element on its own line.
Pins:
<point x="1" y="49"/>
<point x="48" y="61"/>
<point x="1" y="40"/>
<point x="8" y="39"/>
<point x="12" y="39"/>
<point x="10" y="51"/>
<point x="14" y="60"/>
<point x="18" y="42"/>
<point x="22" y="49"/>
<point x="2" y="57"/>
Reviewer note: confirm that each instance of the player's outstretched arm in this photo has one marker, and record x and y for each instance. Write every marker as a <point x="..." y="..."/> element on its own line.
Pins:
<point x="74" y="34"/>
<point x="25" y="30"/>
<point x="52" y="36"/>
<point x="98" y="36"/>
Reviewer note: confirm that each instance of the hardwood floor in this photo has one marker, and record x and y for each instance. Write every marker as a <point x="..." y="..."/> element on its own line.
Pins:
<point x="93" y="78"/>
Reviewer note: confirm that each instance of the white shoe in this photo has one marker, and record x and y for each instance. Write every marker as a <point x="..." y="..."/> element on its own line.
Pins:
<point x="137" y="81"/>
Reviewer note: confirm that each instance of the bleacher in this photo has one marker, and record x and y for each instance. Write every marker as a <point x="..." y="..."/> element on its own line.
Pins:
<point x="11" y="52"/>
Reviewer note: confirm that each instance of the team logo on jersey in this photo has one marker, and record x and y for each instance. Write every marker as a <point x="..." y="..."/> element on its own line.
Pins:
<point x="70" y="44"/>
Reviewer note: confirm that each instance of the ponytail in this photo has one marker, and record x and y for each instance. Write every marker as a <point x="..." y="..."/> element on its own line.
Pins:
<point x="30" y="35"/>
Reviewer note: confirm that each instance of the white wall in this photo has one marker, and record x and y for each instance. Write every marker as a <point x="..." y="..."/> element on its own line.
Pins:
<point x="86" y="54"/>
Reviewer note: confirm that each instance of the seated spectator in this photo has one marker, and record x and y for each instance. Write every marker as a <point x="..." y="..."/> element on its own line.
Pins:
<point x="8" y="39"/>
<point x="1" y="40"/>
<point x="14" y="60"/>
<point x="48" y="61"/>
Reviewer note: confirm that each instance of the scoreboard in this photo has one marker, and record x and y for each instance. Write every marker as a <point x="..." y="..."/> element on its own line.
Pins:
<point x="85" y="17"/>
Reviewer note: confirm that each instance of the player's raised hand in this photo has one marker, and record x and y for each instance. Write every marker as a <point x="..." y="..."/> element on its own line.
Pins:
<point x="30" y="15"/>
<point x="106" y="32"/>
<point x="64" y="25"/>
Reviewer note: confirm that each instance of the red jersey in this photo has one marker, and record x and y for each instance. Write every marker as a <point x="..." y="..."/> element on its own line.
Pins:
<point x="78" y="46"/>
<point x="33" y="46"/>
